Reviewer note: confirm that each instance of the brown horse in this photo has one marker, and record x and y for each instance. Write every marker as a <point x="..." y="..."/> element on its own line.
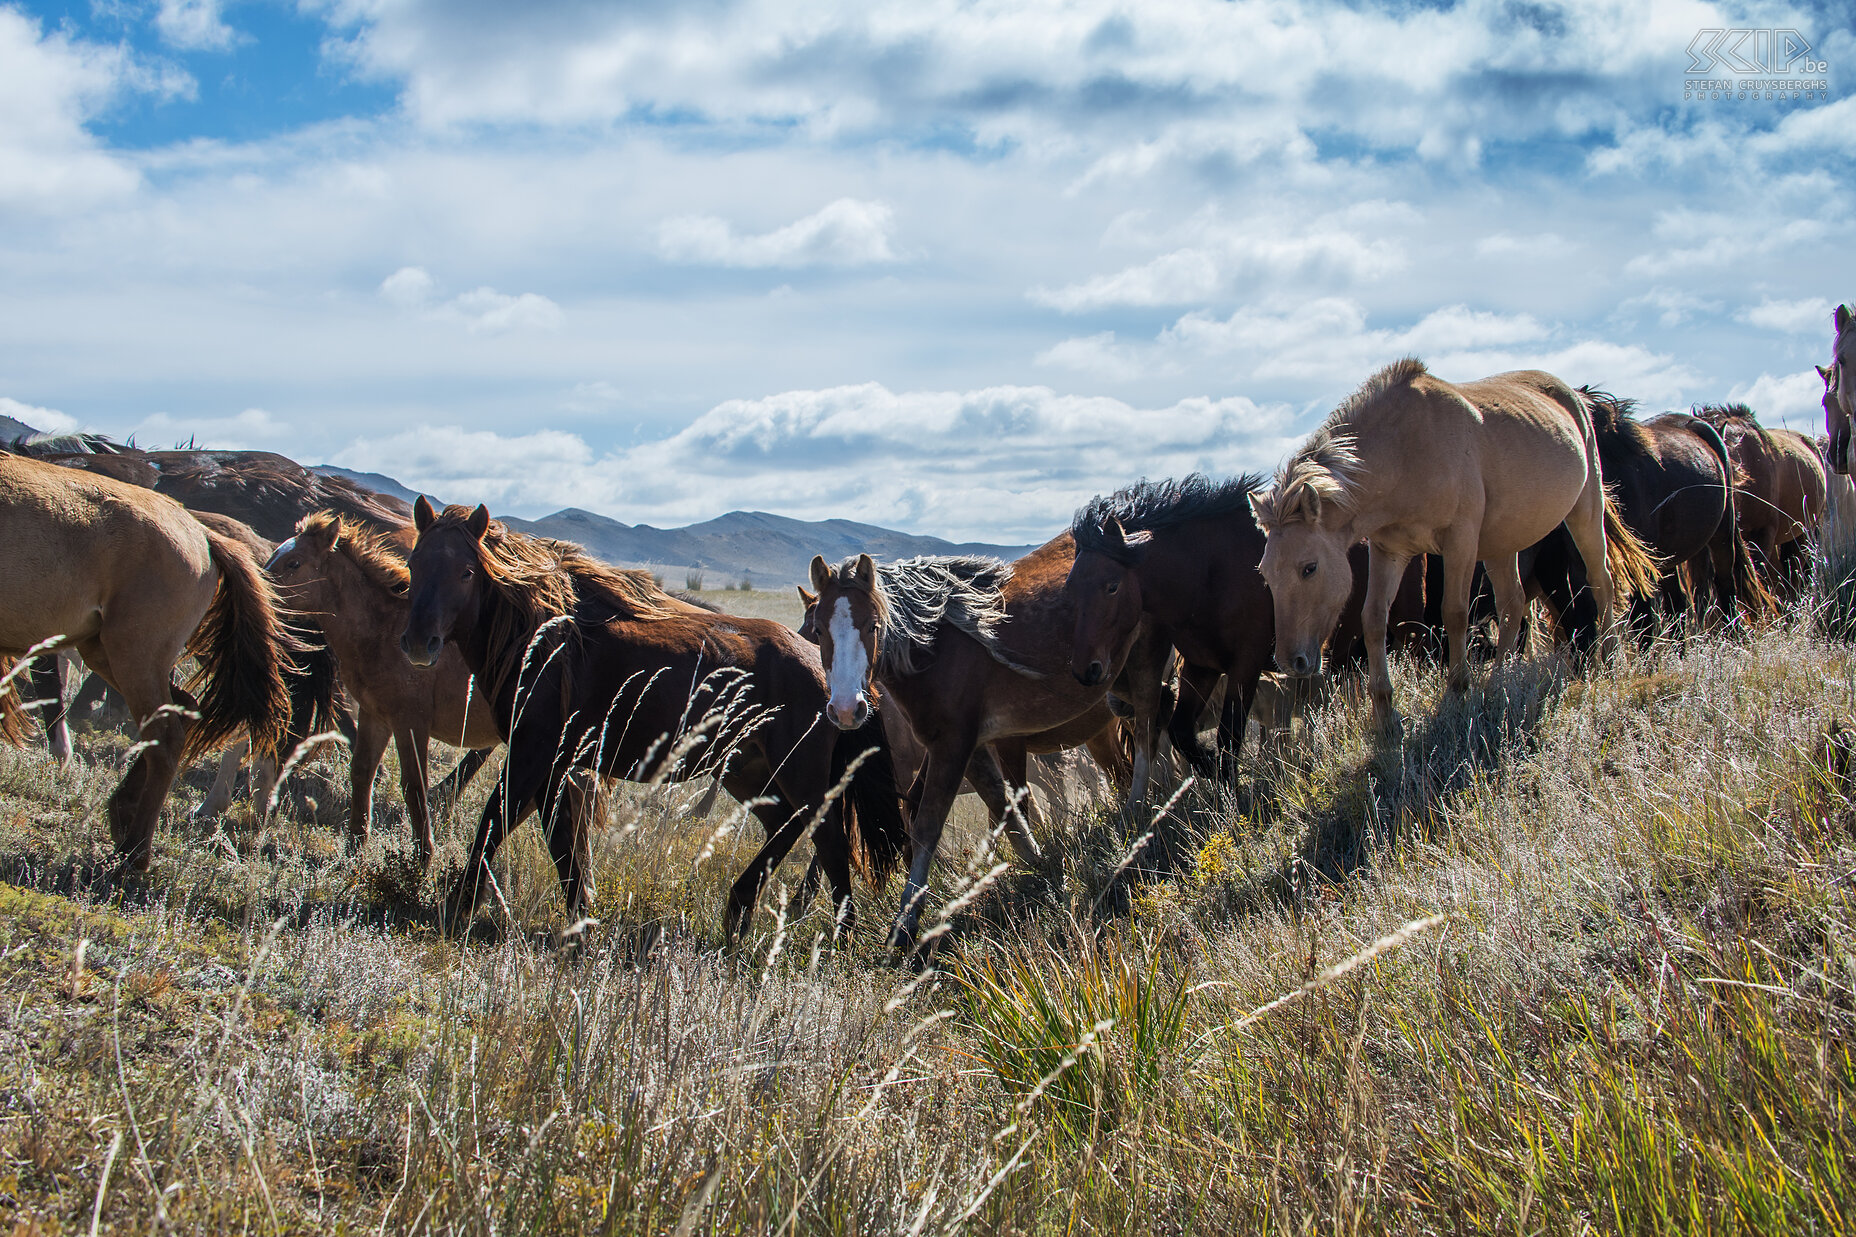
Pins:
<point x="589" y="666"/>
<point x="972" y="652"/>
<point x="132" y="581"/>
<point x="1672" y="479"/>
<point x="1781" y="499"/>
<point x="1183" y="554"/>
<point x="352" y="581"/>
<point x="1840" y="391"/>
<point x="1412" y="464"/>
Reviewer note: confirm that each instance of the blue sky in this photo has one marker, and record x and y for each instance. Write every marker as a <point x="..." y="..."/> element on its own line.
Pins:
<point x="950" y="267"/>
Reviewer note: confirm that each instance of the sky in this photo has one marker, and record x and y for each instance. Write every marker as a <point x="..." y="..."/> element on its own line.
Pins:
<point x="948" y="267"/>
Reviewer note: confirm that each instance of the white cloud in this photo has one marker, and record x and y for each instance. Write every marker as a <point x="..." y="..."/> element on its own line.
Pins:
<point x="45" y="420"/>
<point x="596" y="396"/>
<point x="1810" y="316"/>
<point x="548" y="468"/>
<point x="1673" y="306"/>
<point x="481" y="311"/>
<point x="846" y="232"/>
<point x="251" y="430"/>
<point x="1798" y="396"/>
<point x="1097" y="354"/>
<point x="194" y="25"/>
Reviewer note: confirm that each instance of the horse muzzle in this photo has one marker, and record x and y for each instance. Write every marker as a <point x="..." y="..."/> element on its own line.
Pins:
<point x="1090" y="675"/>
<point x="848" y="717"/>
<point x="1300" y="665"/>
<point x="422" y="654"/>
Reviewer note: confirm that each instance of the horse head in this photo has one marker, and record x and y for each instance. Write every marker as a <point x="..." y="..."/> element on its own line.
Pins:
<point x="1306" y="538"/>
<point x="1104" y="588"/>
<point x="848" y="620"/>
<point x="446" y="569"/>
<point x="808" y="626"/>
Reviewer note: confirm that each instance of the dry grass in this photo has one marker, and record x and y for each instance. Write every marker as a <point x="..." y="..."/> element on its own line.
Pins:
<point x="1634" y="1014"/>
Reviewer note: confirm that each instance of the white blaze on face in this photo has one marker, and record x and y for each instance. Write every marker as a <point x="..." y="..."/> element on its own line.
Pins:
<point x="848" y="662"/>
<point x="277" y="555"/>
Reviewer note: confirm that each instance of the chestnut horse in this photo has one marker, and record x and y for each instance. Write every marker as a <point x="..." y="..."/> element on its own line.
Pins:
<point x="1673" y="480"/>
<point x="352" y="581"/>
<point x="1412" y="464"/>
<point x="131" y="581"/>
<point x="972" y="651"/>
<point x="1781" y="498"/>
<point x="1184" y="555"/>
<point x="584" y="665"/>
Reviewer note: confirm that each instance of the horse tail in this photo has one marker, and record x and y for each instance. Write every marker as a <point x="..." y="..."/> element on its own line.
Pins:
<point x="242" y="645"/>
<point x="1634" y="566"/>
<point x="1750" y="592"/>
<point x="873" y="820"/>
<point x="15" y="726"/>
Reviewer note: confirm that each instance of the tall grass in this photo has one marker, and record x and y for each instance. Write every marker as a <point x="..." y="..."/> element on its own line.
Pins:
<point x="1601" y="976"/>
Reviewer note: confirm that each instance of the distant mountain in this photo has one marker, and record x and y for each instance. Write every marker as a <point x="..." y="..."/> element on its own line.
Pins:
<point x="380" y="483"/>
<point x="771" y="550"/>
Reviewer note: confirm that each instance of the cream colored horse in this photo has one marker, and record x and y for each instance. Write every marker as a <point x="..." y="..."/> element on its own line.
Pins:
<point x="1412" y="464"/>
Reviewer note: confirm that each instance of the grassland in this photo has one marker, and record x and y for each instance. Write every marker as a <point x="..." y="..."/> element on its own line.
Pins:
<point x="1594" y="935"/>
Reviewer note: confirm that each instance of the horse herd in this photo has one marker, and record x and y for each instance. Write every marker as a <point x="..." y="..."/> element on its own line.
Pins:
<point x="1418" y="508"/>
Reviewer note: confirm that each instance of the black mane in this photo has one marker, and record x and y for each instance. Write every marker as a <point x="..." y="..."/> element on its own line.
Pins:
<point x="1719" y="415"/>
<point x="1611" y="415"/>
<point x="1152" y="506"/>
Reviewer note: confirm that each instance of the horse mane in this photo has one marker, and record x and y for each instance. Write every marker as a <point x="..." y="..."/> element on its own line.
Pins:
<point x="916" y="595"/>
<point x="1154" y="506"/>
<point x="1720" y="416"/>
<point x="1611" y="414"/>
<point x="1325" y="468"/>
<point x="372" y="551"/>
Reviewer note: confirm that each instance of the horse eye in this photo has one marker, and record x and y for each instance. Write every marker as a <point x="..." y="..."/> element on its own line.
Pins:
<point x="1308" y="569"/>
<point x="1114" y="586"/>
<point x="402" y="587"/>
<point x="469" y="572"/>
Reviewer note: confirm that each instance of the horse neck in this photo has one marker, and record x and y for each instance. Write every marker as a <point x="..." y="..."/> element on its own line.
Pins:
<point x="364" y="623"/>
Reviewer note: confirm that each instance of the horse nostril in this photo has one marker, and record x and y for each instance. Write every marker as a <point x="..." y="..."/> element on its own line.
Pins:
<point x="1301" y="663"/>
<point x="406" y="645"/>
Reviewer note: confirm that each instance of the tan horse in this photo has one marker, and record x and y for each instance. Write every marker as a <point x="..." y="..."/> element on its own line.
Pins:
<point x="352" y="581"/>
<point x="132" y="581"/>
<point x="1781" y="499"/>
<point x="1412" y="464"/>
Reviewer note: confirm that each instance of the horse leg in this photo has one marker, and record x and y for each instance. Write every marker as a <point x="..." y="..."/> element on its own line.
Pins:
<point x="1510" y="601"/>
<point x="135" y="805"/>
<point x="264" y="774"/>
<point x="784" y="824"/>
<point x="219" y="798"/>
<point x="1015" y="808"/>
<point x="1197" y="686"/>
<point x="444" y="796"/>
<point x="1384" y="573"/>
<point x="48" y="686"/>
<point x="370" y="744"/>
<point x="1104" y="747"/>
<point x="945" y="766"/>
<point x="413" y="750"/>
<point x="1586" y="523"/>
<point x="90" y="693"/>
<point x="567" y="813"/>
<point x="492" y="827"/>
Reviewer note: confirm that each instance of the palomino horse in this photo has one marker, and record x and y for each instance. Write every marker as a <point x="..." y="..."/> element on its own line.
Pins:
<point x="1412" y="464"/>
<point x="1672" y="479"/>
<point x="352" y="581"/>
<point x="971" y="651"/>
<point x="132" y="581"/>
<point x="1781" y="498"/>
<point x="1183" y="554"/>
<point x="586" y="665"/>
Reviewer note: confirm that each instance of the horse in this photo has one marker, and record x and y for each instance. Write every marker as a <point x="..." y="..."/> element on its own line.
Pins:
<point x="131" y="581"/>
<point x="352" y="582"/>
<point x="591" y="666"/>
<point x="1045" y="768"/>
<point x="1781" y="499"/>
<point x="1410" y="464"/>
<point x="1672" y="478"/>
<point x="1840" y="392"/>
<point x="971" y="650"/>
<point x="1183" y="554"/>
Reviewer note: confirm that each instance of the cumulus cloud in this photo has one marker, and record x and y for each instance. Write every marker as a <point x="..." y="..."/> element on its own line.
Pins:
<point x="847" y="232"/>
<point x="1798" y="398"/>
<point x="995" y="463"/>
<point x="45" y="420"/>
<point x="193" y="25"/>
<point x="1810" y="316"/>
<point x="481" y="311"/>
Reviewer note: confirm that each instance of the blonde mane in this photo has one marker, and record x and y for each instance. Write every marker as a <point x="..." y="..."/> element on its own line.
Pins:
<point x="374" y="553"/>
<point x="1325" y="469"/>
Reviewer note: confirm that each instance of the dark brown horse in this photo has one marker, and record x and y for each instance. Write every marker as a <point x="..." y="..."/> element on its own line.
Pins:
<point x="587" y="666"/>
<point x="1781" y="499"/>
<point x="973" y="652"/>
<point x="353" y="583"/>
<point x="1183" y="554"/>
<point x="1840" y="391"/>
<point x="1672" y="479"/>
<point x="131" y="581"/>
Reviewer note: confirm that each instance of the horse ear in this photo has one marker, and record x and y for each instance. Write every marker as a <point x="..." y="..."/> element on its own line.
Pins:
<point x="1824" y="374"/>
<point x="864" y="572"/>
<point x="1843" y="318"/>
<point x="820" y="573"/>
<point x="808" y="600"/>
<point x="1116" y="534"/>
<point x="423" y="514"/>
<point x="479" y="522"/>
